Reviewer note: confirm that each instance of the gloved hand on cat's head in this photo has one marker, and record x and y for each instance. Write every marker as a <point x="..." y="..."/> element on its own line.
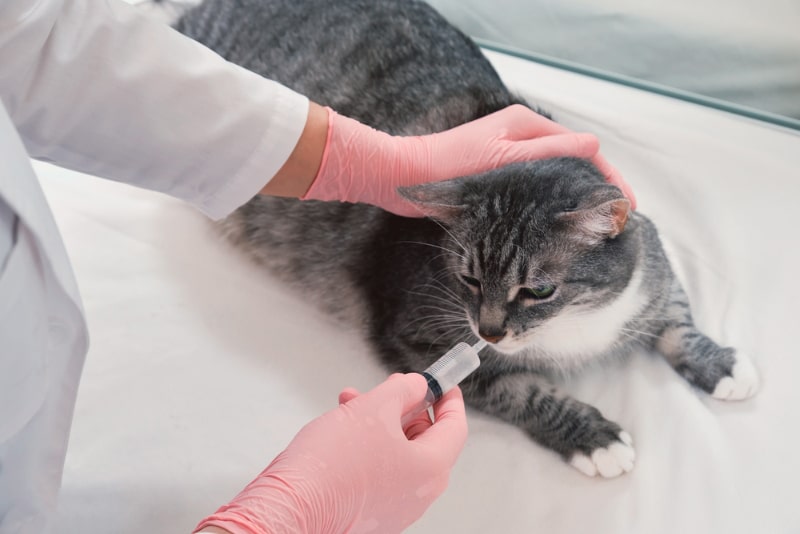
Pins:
<point x="355" y="468"/>
<point x="361" y="164"/>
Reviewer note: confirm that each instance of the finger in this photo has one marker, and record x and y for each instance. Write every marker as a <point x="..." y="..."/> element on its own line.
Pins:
<point x="448" y="433"/>
<point x="347" y="395"/>
<point x="529" y="124"/>
<point x="521" y="122"/>
<point x="399" y="393"/>
<point x="577" y="145"/>
<point x="614" y="177"/>
<point x="418" y="425"/>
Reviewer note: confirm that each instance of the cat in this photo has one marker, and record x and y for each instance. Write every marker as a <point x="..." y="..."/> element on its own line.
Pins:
<point x="542" y="259"/>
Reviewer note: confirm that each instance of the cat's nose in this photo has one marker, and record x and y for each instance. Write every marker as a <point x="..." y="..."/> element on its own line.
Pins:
<point x="492" y="338"/>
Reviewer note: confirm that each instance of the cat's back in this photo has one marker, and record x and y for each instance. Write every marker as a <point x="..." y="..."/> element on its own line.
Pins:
<point x="396" y="65"/>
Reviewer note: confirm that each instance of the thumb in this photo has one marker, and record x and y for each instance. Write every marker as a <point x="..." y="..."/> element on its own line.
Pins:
<point x="521" y="122"/>
<point x="448" y="433"/>
<point x="347" y="395"/>
<point x="398" y="393"/>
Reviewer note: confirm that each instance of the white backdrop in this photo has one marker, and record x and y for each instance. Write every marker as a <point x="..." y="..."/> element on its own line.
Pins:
<point x="202" y="368"/>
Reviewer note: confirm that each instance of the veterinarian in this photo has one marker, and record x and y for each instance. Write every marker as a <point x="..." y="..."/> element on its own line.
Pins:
<point x="93" y="86"/>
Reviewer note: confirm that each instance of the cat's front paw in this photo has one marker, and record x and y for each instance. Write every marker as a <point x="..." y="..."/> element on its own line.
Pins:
<point x="741" y="384"/>
<point x="610" y="461"/>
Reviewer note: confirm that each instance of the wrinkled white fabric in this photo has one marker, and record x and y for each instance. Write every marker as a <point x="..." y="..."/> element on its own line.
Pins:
<point x="92" y="86"/>
<point x="8" y="231"/>
<point x="256" y="362"/>
<point x="43" y="342"/>
<point x="97" y="87"/>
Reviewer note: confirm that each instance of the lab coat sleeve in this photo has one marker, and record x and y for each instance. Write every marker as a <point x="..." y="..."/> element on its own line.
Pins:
<point x="94" y="86"/>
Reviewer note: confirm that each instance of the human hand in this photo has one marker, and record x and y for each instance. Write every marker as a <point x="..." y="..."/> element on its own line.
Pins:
<point x="361" y="164"/>
<point x="355" y="469"/>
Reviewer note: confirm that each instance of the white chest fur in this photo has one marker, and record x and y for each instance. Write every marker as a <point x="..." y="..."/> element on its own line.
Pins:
<point x="577" y="334"/>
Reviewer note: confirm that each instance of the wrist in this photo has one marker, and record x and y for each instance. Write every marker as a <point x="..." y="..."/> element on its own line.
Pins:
<point x="357" y="163"/>
<point x="297" y="174"/>
<point x="292" y="494"/>
<point x="268" y="505"/>
<point x="413" y="157"/>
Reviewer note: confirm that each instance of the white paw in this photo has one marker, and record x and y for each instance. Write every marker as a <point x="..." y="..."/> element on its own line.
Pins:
<point x="743" y="383"/>
<point x="609" y="461"/>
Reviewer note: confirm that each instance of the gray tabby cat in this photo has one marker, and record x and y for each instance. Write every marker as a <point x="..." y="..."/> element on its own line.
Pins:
<point x="542" y="259"/>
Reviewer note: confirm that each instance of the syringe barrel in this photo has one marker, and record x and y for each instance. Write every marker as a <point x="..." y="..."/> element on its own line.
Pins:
<point x="449" y="370"/>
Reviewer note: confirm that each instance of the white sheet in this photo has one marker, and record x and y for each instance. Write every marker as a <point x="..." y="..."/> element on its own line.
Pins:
<point x="202" y="368"/>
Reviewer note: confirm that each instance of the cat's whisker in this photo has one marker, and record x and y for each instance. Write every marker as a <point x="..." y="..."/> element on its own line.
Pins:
<point x="656" y="296"/>
<point x="426" y="327"/>
<point x="437" y="279"/>
<point x="648" y="334"/>
<point x="438" y="338"/>
<point x="443" y="313"/>
<point x="629" y="336"/>
<point x="540" y="275"/>
<point x="451" y="251"/>
<point x="438" y="316"/>
<point x="449" y="270"/>
<point x="443" y="300"/>
<point x="439" y="313"/>
<point x="449" y="326"/>
<point x="442" y="255"/>
<point x="437" y="324"/>
<point x="440" y="286"/>
<point x="434" y="320"/>
<point x="453" y="237"/>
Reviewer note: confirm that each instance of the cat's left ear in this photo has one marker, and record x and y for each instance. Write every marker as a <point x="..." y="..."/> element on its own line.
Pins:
<point x="601" y="215"/>
<point x="438" y="200"/>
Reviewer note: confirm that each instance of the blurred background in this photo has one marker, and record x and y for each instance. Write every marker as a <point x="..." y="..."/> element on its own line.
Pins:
<point x="738" y="55"/>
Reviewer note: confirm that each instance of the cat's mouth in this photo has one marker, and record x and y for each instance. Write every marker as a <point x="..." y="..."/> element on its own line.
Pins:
<point x="506" y="343"/>
<point x="509" y="344"/>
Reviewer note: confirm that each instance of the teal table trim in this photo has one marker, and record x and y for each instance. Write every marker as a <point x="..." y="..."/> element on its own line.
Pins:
<point x="687" y="96"/>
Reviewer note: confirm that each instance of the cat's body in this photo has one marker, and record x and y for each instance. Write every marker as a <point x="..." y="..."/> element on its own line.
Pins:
<point x="542" y="258"/>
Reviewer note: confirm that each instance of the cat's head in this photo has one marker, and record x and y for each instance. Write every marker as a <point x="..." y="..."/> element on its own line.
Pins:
<point x="534" y="247"/>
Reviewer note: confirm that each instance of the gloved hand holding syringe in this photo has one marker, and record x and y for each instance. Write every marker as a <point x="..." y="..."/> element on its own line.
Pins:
<point x="371" y="461"/>
<point x="446" y="373"/>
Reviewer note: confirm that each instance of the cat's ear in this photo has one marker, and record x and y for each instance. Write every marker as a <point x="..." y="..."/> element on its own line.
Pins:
<point x="600" y="215"/>
<point x="442" y="201"/>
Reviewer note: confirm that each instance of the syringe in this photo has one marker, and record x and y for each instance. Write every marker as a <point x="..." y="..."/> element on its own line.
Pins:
<point x="446" y="373"/>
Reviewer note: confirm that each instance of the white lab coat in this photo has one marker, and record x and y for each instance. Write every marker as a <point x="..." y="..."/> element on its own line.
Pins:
<point x="93" y="86"/>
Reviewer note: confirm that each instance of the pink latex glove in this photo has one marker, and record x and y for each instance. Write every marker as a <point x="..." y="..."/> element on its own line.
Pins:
<point x="361" y="164"/>
<point x="355" y="469"/>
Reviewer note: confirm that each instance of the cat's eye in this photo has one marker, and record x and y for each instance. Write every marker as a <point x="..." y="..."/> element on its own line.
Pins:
<point x="471" y="282"/>
<point x="537" y="293"/>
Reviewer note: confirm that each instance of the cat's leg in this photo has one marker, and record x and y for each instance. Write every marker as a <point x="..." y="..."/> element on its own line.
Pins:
<point x="578" y="432"/>
<point x="721" y="371"/>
